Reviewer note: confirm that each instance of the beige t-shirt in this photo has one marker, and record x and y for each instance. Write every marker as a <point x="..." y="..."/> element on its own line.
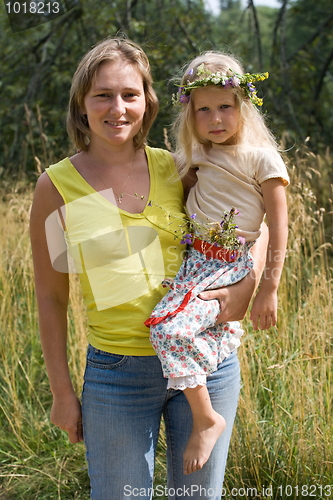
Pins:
<point x="231" y="177"/>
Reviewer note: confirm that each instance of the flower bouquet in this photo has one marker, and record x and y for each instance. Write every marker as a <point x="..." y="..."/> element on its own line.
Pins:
<point x="218" y="234"/>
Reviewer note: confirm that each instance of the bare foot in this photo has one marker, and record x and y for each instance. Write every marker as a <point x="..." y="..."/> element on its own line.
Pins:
<point x="201" y="443"/>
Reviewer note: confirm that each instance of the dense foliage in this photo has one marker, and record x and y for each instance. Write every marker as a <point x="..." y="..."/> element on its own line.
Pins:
<point x="294" y="43"/>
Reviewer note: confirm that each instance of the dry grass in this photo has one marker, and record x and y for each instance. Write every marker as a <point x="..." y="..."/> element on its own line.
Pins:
<point x="283" y="433"/>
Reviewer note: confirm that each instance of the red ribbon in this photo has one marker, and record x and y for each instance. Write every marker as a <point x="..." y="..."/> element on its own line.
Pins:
<point x="214" y="252"/>
<point x="158" y="319"/>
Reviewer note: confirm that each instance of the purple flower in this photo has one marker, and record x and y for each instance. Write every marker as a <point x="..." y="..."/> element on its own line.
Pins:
<point x="180" y="90"/>
<point x="241" y="240"/>
<point x="251" y="88"/>
<point x="184" y="98"/>
<point x="231" y="82"/>
<point x="149" y="204"/>
<point x="189" y="238"/>
<point x="190" y="72"/>
<point x="193" y="216"/>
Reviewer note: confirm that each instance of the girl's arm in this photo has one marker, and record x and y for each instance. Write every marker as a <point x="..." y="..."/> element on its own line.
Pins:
<point x="52" y="289"/>
<point x="235" y="299"/>
<point x="264" y="306"/>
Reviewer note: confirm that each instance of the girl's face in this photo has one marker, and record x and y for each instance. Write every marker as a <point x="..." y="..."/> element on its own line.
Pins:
<point x="216" y="114"/>
<point x="115" y="104"/>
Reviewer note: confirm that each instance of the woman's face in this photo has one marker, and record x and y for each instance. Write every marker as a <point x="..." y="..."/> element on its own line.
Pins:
<point x="115" y="104"/>
<point x="216" y="114"/>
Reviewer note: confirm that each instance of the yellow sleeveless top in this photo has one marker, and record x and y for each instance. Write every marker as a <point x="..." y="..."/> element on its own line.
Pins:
<point x="122" y="258"/>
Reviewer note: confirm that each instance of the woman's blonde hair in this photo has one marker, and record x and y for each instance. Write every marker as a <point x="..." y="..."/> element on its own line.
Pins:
<point x="110" y="49"/>
<point x="252" y="128"/>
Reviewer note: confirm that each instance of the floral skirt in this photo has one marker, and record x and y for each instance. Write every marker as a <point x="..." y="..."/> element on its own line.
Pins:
<point x="182" y="329"/>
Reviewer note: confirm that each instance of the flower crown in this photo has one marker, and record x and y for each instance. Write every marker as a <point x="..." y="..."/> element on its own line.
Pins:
<point x="209" y="78"/>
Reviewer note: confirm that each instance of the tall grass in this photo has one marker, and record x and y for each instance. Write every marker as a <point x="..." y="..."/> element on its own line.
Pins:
<point x="36" y="460"/>
<point x="283" y="431"/>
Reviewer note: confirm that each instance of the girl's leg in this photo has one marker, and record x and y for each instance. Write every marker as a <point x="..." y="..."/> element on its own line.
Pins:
<point x="208" y="426"/>
<point x="206" y="483"/>
<point x="122" y="403"/>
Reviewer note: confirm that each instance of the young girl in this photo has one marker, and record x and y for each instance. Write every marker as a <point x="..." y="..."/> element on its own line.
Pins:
<point x="221" y="133"/>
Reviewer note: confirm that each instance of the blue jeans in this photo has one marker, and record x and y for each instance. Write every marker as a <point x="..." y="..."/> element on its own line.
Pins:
<point x="123" y="400"/>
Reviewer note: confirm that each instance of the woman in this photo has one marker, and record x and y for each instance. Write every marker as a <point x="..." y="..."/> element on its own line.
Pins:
<point x="122" y="248"/>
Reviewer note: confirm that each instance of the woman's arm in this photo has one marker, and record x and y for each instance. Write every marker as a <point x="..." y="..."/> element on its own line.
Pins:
<point x="189" y="181"/>
<point x="52" y="289"/>
<point x="235" y="299"/>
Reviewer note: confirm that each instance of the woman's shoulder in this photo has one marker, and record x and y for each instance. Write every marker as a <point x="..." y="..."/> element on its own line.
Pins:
<point x="159" y="154"/>
<point x="46" y="192"/>
<point x="63" y="164"/>
<point x="46" y="196"/>
<point x="163" y="161"/>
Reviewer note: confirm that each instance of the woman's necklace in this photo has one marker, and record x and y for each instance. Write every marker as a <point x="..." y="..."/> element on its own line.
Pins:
<point x="119" y="197"/>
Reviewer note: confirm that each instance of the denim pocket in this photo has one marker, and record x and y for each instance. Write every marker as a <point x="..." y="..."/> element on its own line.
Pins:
<point x="104" y="360"/>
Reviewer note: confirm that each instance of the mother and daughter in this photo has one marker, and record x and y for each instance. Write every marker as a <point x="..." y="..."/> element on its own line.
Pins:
<point x="122" y="249"/>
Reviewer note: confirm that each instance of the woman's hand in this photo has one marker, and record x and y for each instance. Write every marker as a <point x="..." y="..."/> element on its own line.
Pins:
<point x="66" y="414"/>
<point x="235" y="299"/>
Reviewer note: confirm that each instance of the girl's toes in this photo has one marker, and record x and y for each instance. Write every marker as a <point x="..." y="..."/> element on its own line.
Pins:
<point x="199" y="466"/>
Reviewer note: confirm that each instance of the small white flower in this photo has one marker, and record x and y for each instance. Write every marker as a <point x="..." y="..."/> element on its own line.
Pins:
<point x="216" y="80"/>
<point x="236" y="81"/>
<point x="200" y="69"/>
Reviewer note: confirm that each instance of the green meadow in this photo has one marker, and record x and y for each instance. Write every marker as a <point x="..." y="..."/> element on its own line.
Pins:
<point x="282" y="441"/>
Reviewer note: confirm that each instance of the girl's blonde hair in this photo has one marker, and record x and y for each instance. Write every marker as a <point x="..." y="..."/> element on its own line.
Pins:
<point x="252" y="128"/>
<point x="111" y="49"/>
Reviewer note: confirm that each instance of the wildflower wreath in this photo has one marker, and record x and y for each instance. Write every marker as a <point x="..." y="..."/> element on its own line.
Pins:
<point x="206" y="77"/>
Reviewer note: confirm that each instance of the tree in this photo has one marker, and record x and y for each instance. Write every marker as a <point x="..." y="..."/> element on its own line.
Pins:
<point x="38" y="65"/>
<point x="294" y="43"/>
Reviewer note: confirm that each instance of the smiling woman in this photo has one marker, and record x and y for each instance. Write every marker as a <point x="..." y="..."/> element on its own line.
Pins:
<point x="94" y="206"/>
<point x="77" y="126"/>
<point x="114" y="107"/>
